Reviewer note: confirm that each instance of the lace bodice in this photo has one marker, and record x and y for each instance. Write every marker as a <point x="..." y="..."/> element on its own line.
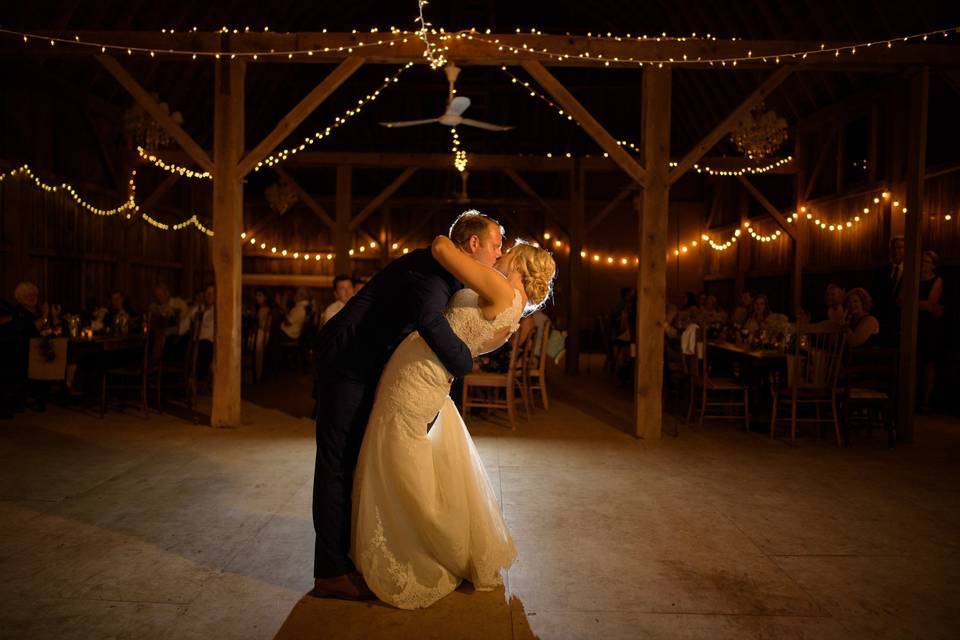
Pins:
<point x="479" y="334"/>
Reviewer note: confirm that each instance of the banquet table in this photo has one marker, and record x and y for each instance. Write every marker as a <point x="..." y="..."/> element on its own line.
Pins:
<point x="758" y="355"/>
<point x="103" y="344"/>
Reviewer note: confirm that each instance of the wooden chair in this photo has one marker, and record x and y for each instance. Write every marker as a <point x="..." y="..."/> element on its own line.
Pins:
<point x="606" y="341"/>
<point x="869" y="383"/>
<point x="703" y="386"/>
<point x="139" y="375"/>
<point x="535" y="371"/>
<point x="490" y="384"/>
<point x="182" y="372"/>
<point x="813" y="373"/>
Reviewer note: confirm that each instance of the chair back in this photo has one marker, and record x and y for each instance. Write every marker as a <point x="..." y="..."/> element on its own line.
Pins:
<point x="818" y="358"/>
<point x="695" y="364"/>
<point x="47" y="363"/>
<point x="191" y="364"/>
<point x="516" y="359"/>
<point x="156" y="339"/>
<point x="541" y="345"/>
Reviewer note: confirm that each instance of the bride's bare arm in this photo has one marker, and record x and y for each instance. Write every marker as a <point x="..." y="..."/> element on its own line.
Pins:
<point x="486" y="281"/>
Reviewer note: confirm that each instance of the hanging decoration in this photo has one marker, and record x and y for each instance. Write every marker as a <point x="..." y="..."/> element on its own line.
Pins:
<point x="281" y="195"/>
<point x="142" y="131"/>
<point x="759" y="133"/>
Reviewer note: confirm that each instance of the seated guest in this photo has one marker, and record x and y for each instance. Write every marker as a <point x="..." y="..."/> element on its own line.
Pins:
<point x="28" y="319"/>
<point x="669" y="320"/>
<point x="262" y="308"/>
<point x="174" y="309"/>
<point x="358" y="284"/>
<point x="861" y="327"/>
<point x="835" y="299"/>
<point x="119" y="312"/>
<point x="742" y="311"/>
<point x="711" y="311"/>
<point x="342" y="291"/>
<point x="292" y="325"/>
<point x="762" y="319"/>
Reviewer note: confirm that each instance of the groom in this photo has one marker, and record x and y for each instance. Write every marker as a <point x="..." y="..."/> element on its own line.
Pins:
<point x="410" y="294"/>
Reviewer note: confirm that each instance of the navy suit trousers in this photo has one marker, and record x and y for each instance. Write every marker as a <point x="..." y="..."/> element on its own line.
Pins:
<point x="343" y="408"/>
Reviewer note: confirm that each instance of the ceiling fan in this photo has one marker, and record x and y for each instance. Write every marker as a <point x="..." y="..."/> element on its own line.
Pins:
<point x="453" y="116"/>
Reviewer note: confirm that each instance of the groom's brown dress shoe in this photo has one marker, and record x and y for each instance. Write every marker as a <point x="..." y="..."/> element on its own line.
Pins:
<point x="350" y="586"/>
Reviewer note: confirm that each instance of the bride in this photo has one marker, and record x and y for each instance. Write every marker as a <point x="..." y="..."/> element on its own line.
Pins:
<point x="424" y="514"/>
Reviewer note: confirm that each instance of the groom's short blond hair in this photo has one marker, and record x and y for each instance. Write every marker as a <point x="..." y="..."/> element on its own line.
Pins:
<point x="472" y="223"/>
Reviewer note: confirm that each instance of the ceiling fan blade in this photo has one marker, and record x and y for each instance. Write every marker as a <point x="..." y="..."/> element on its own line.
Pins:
<point x="484" y="125"/>
<point x="408" y="123"/>
<point x="458" y="105"/>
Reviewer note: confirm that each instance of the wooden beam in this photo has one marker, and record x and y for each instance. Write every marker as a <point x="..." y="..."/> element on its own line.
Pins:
<point x="421" y="223"/>
<point x="613" y="204"/>
<point x="574" y="279"/>
<point x="299" y="113"/>
<point x="342" y="238"/>
<point x="587" y="121"/>
<point x="478" y="161"/>
<point x="161" y="190"/>
<point x="913" y="239"/>
<point x="546" y="206"/>
<point x="652" y="206"/>
<point x="503" y="48"/>
<point x="227" y="253"/>
<point x="383" y="196"/>
<point x="306" y="198"/>
<point x="699" y="150"/>
<point x="768" y="207"/>
<point x="821" y="162"/>
<point x="146" y="101"/>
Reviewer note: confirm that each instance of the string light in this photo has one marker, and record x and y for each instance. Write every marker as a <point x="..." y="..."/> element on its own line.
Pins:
<point x="172" y="168"/>
<point x="319" y="135"/>
<point x="397" y="36"/>
<point x="129" y="206"/>
<point x="696" y="43"/>
<point x="459" y="155"/>
<point x="435" y="59"/>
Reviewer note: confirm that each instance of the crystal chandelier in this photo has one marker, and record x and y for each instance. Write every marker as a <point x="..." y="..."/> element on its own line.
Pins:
<point x="281" y="195"/>
<point x="759" y="133"/>
<point x="140" y="129"/>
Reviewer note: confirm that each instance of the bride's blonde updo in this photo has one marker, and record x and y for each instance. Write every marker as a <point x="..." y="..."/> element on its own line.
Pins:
<point x="537" y="270"/>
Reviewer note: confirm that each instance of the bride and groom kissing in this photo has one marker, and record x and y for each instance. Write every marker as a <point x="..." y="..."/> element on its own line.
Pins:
<point x="402" y="507"/>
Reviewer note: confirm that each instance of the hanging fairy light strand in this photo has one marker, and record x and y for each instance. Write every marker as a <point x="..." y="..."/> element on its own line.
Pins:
<point x="435" y="52"/>
<point x="534" y="93"/>
<point x="284" y="154"/>
<point x="128" y="207"/>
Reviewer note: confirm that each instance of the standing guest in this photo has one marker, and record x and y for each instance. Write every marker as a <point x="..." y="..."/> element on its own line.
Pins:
<point x="887" y="285"/>
<point x="342" y="291"/>
<point x="262" y="308"/>
<point x="358" y="284"/>
<point x="742" y="311"/>
<point x="689" y="311"/>
<point x="835" y="298"/>
<point x="929" y="339"/>
<point x="206" y="315"/>
<point x="292" y="325"/>
<point x="174" y="309"/>
<point x="861" y="326"/>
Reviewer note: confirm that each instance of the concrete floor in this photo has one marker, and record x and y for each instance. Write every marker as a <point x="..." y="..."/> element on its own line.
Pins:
<point x="125" y="528"/>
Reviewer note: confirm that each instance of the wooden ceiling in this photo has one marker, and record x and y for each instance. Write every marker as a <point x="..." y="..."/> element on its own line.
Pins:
<point x="701" y="98"/>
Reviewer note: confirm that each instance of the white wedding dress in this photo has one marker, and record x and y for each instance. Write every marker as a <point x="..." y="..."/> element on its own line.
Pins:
<point x="425" y="516"/>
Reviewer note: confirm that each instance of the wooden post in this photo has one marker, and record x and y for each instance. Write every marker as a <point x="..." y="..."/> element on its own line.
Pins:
<point x="342" y="238"/>
<point x="909" y="310"/>
<point x="652" y="207"/>
<point x="386" y="235"/>
<point x="228" y="146"/>
<point x="575" y="267"/>
<point x="800" y="229"/>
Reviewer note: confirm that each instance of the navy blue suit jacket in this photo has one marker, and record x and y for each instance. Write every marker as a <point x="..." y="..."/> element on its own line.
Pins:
<point x="408" y="295"/>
